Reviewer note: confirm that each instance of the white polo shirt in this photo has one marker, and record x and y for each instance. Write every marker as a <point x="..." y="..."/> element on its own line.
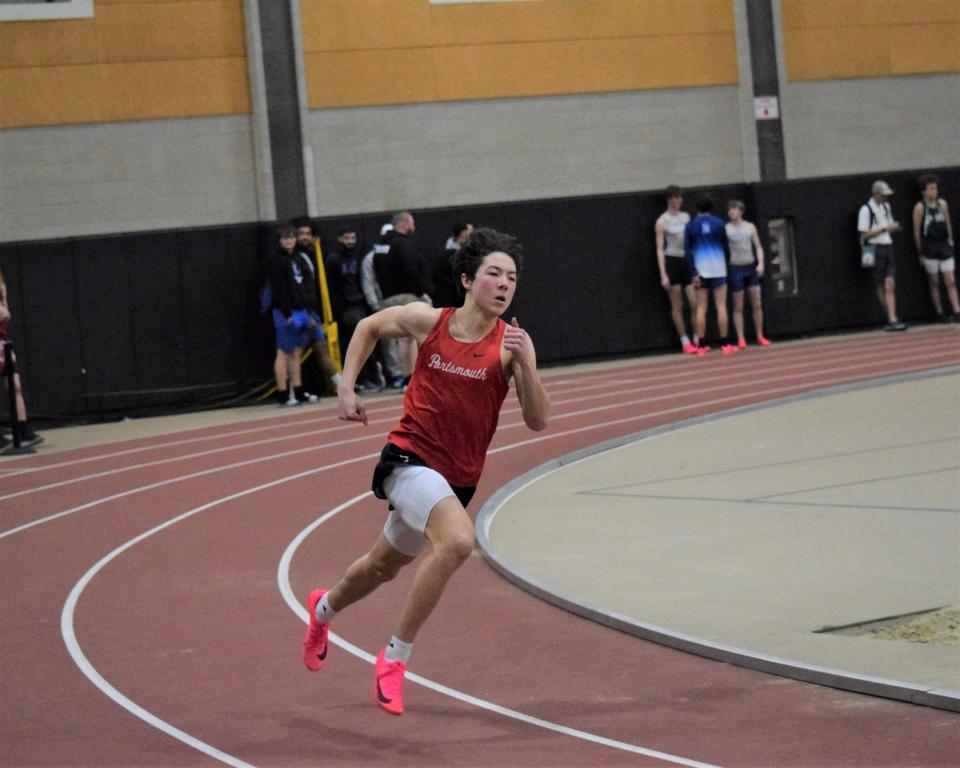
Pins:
<point x="882" y="217"/>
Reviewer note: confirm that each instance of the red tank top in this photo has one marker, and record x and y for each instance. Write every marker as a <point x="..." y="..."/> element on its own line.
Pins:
<point x="453" y="401"/>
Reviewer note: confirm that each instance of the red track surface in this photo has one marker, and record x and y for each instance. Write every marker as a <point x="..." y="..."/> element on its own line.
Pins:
<point x="189" y="624"/>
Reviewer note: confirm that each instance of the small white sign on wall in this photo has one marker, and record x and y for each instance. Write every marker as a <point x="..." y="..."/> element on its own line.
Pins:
<point x="766" y="108"/>
<point x="37" y="10"/>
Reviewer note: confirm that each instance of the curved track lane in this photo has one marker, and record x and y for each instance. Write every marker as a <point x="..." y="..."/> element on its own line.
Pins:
<point x="157" y="561"/>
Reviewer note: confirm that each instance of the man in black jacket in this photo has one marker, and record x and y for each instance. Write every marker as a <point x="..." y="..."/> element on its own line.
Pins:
<point x="306" y="256"/>
<point x="403" y="278"/>
<point x="347" y="299"/>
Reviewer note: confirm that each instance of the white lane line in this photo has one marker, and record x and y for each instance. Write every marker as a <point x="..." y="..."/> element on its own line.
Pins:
<point x="283" y="582"/>
<point x="602" y="378"/>
<point x="817" y="365"/>
<point x="68" y="631"/>
<point x="548" y="436"/>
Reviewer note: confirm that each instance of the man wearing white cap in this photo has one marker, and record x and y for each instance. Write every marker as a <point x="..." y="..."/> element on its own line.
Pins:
<point x="876" y="225"/>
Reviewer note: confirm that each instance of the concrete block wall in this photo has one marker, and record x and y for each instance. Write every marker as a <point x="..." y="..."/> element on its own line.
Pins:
<point x="459" y="153"/>
<point x="835" y="127"/>
<point x="76" y="180"/>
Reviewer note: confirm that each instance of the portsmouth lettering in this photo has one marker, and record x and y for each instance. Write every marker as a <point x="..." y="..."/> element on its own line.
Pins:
<point x="447" y="367"/>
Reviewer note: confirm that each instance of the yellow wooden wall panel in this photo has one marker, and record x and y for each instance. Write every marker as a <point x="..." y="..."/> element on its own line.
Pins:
<point x="345" y="25"/>
<point x="928" y="48"/>
<point x="118" y="92"/>
<point x="472" y="24"/>
<point x="134" y="60"/>
<point x="817" y="14"/>
<point x="354" y="25"/>
<point x="828" y="39"/>
<point x="823" y="54"/>
<point x="363" y="78"/>
<point x="580" y="66"/>
<point x="69" y="95"/>
<point x="201" y="29"/>
<point x="363" y="52"/>
<point x="40" y="44"/>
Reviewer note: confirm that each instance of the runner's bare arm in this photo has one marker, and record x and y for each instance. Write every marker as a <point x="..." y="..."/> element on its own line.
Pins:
<point x="534" y="400"/>
<point x="414" y="320"/>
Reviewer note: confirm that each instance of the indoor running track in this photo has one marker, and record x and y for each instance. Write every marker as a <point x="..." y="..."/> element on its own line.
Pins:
<point x="151" y="602"/>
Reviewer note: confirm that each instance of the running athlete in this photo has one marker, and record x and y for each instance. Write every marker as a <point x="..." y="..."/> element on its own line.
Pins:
<point x="431" y="464"/>
<point x="933" y="235"/>
<point x="707" y="250"/>
<point x="746" y="269"/>
<point x="675" y="275"/>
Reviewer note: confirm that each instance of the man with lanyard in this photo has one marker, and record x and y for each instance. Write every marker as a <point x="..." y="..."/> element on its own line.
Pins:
<point x="876" y="224"/>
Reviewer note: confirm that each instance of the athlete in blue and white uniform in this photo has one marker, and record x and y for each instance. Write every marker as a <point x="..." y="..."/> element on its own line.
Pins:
<point x="707" y="250"/>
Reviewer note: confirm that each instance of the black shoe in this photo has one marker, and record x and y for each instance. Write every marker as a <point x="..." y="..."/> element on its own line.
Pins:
<point x="944" y="319"/>
<point x="31" y="439"/>
<point x="897" y="326"/>
<point x="397" y="383"/>
<point x="955" y="317"/>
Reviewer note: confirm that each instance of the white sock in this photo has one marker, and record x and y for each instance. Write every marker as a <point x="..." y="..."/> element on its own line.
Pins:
<point x="335" y="379"/>
<point x="684" y="340"/>
<point x="323" y="612"/>
<point x="397" y="650"/>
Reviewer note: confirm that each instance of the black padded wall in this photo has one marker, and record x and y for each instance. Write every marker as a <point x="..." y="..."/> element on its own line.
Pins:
<point x="127" y="322"/>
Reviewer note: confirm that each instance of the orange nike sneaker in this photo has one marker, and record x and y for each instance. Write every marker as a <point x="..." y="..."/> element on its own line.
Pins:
<point x="763" y="341"/>
<point x="388" y="684"/>
<point x="742" y="344"/>
<point x="729" y="349"/>
<point x="315" y="641"/>
<point x="690" y="349"/>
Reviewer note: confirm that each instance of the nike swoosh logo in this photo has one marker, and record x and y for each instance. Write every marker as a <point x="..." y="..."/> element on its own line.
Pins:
<point x="323" y="655"/>
<point x="380" y="695"/>
<point x="478" y="354"/>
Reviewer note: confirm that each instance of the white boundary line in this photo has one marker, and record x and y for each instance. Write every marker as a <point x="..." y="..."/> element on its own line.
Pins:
<point x="283" y="582"/>
<point x="68" y="632"/>
<point x="719" y="384"/>
<point x="648" y="375"/>
<point x="549" y="436"/>
<point x="80" y="659"/>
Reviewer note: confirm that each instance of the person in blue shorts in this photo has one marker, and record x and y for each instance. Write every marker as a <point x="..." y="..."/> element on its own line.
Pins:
<point x="746" y="269"/>
<point x="707" y="250"/>
<point x="291" y="319"/>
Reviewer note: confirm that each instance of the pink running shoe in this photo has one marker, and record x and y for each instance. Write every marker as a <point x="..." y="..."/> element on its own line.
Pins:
<point x="315" y="641"/>
<point x="742" y="344"/>
<point x="729" y="349"/>
<point x="690" y="349"/>
<point x="763" y="341"/>
<point x="702" y="351"/>
<point x="388" y="684"/>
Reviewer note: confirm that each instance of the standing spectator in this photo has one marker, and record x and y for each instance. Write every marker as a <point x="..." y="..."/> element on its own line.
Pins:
<point x="707" y="249"/>
<point x="402" y="275"/>
<point x="307" y="254"/>
<point x="746" y="269"/>
<point x="446" y="291"/>
<point x="675" y="275"/>
<point x="27" y="436"/>
<point x="346" y="297"/>
<point x="386" y="348"/>
<point x="933" y="235"/>
<point x="876" y="224"/>
<point x="291" y="320"/>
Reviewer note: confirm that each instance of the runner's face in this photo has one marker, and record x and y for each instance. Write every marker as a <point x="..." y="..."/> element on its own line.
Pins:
<point x="304" y="235"/>
<point x="931" y="192"/>
<point x="287" y="242"/>
<point x="495" y="282"/>
<point x="734" y="214"/>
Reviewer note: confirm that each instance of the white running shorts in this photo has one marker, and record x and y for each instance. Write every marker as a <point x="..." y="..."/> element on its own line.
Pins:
<point x="413" y="491"/>
<point x="933" y="266"/>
